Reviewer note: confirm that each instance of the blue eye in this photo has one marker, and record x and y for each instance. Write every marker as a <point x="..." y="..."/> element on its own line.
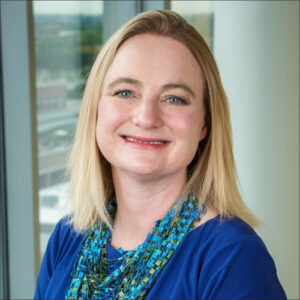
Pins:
<point x="176" y="100"/>
<point x="123" y="94"/>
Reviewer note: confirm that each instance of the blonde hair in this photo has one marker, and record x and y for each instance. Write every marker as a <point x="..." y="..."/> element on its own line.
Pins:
<point x="213" y="177"/>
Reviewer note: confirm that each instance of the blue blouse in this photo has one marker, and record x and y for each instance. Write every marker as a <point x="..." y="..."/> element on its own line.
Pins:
<point x="221" y="259"/>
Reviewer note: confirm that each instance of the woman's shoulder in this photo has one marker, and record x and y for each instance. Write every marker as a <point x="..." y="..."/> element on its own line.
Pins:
<point x="231" y="243"/>
<point x="61" y="252"/>
<point x="63" y="239"/>
<point x="64" y="230"/>
<point x="221" y="258"/>
<point x="217" y="228"/>
<point x="233" y="261"/>
<point x="221" y="236"/>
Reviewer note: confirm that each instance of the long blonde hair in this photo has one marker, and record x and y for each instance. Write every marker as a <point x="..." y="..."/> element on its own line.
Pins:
<point x="213" y="176"/>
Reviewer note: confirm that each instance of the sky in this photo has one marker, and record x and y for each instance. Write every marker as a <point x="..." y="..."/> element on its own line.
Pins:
<point x="96" y="7"/>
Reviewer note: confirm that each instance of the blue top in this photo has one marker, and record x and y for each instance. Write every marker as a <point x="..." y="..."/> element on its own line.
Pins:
<point x="221" y="259"/>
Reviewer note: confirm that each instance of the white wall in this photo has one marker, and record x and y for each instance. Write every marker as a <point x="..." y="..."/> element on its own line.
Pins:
<point x="256" y="46"/>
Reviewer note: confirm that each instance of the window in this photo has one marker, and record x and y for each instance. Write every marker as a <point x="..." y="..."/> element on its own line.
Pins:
<point x="67" y="36"/>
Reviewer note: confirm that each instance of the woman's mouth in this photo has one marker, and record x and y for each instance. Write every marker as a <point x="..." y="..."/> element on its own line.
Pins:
<point x="145" y="141"/>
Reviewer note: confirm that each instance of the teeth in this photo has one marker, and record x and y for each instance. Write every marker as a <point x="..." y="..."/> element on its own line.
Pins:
<point x="153" y="143"/>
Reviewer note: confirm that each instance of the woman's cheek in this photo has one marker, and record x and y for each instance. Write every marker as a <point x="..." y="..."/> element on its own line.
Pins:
<point x="111" y="114"/>
<point x="185" y="124"/>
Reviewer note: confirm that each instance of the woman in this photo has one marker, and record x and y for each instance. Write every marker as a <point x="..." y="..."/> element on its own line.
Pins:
<point x="156" y="211"/>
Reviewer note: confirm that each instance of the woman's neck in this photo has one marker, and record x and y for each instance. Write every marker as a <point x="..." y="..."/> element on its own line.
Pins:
<point x="140" y="203"/>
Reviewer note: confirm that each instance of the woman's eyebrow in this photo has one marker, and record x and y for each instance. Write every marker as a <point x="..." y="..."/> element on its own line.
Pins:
<point x="165" y="87"/>
<point x="125" y="80"/>
<point x="178" y="86"/>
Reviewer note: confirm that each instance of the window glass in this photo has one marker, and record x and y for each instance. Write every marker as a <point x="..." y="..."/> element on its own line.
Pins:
<point x="199" y="14"/>
<point x="68" y="36"/>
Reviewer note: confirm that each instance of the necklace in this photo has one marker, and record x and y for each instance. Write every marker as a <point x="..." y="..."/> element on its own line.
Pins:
<point x="136" y="270"/>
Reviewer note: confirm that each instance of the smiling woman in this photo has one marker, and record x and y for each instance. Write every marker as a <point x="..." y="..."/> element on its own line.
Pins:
<point x="151" y="101"/>
<point x="156" y="212"/>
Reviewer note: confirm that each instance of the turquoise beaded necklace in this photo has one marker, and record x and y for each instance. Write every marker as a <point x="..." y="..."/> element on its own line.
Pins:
<point x="137" y="269"/>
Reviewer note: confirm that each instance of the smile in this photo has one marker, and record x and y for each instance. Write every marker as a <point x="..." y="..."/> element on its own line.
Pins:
<point x="146" y="141"/>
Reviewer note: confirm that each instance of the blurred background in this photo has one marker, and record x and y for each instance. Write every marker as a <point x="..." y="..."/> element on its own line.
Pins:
<point x="47" y="49"/>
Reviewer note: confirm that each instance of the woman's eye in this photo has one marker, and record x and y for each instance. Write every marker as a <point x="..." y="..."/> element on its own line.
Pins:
<point x="123" y="94"/>
<point x="176" y="100"/>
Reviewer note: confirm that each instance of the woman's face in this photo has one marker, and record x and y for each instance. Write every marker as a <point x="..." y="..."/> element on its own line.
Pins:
<point x="151" y="112"/>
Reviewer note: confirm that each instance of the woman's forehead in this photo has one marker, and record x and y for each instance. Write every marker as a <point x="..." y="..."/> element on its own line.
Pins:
<point x="146" y="55"/>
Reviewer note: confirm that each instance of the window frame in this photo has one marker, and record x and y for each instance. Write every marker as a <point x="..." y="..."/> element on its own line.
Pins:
<point x="20" y="148"/>
<point x="4" y="268"/>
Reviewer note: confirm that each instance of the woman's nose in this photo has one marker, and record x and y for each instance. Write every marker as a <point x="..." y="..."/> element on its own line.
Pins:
<point x="147" y="114"/>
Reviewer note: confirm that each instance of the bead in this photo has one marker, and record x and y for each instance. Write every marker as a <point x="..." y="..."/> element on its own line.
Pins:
<point x="134" y="271"/>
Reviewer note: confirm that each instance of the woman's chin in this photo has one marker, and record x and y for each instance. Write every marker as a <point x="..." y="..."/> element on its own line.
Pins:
<point x="144" y="173"/>
<point x="140" y="170"/>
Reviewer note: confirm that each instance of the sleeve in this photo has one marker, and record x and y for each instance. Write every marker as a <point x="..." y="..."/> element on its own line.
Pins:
<point x="240" y="269"/>
<point x="48" y="263"/>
